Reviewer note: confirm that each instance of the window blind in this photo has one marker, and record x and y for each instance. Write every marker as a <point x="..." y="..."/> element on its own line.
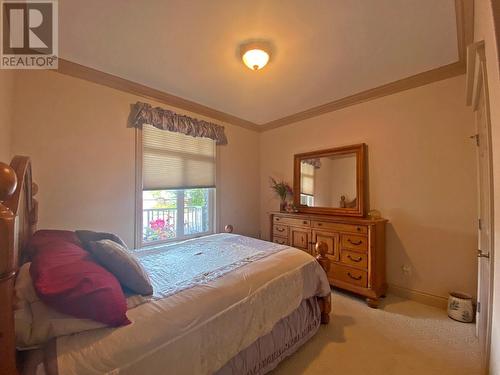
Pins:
<point x="176" y="161"/>
<point x="306" y="179"/>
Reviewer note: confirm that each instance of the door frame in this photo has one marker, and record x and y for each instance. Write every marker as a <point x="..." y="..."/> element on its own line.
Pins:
<point x="477" y="83"/>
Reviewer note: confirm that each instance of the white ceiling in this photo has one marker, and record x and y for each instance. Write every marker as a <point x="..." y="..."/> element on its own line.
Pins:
<point x="324" y="49"/>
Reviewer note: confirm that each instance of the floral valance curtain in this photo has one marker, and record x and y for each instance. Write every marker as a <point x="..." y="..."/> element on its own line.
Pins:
<point x="143" y="113"/>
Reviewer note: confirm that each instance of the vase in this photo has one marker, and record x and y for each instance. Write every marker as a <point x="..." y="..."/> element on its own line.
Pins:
<point x="460" y="307"/>
<point x="283" y="206"/>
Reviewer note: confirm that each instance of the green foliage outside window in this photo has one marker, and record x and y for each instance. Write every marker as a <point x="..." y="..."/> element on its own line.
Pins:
<point x="164" y="199"/>
<point x="168" y="198"/>
<point x="195" y="197"/>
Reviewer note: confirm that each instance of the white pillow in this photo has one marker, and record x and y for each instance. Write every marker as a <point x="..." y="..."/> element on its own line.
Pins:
<point x="25" y="292"/>
<point x="35" y="322"/>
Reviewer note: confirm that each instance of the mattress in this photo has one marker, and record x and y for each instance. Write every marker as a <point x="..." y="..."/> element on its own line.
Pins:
<point x="200" y="327"/>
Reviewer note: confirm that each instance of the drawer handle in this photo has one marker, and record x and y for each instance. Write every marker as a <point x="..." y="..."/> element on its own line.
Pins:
<point x="354" y="259"/>
<point x="304" y="222"/>
<point x="319" y="224"/>
<point x="277" y="219"/>
<point x="354" y="243"/>
<point x="280" y="229"/>
<point x="358" y="229"/>
<point x="357" y="278"/>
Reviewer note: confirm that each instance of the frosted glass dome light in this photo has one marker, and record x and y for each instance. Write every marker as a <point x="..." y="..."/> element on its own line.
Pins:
<point x="255" y="54"/>
<point x="255" y="59"/>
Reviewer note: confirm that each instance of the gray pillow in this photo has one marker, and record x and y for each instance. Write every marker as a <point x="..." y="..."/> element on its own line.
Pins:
<point x="122" y="264"/>
<point x="87" y="236"/>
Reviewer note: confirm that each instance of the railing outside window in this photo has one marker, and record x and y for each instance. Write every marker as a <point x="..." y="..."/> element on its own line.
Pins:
<point x="161" y="224"/>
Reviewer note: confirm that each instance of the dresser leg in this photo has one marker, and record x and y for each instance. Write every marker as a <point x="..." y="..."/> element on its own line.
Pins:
<point x="372" y="302"/>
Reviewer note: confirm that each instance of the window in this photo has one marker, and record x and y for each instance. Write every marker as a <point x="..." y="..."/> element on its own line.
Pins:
<point x="307" y="200"/>
<point x="307" y="184"/>
<point x="178" y="186"/>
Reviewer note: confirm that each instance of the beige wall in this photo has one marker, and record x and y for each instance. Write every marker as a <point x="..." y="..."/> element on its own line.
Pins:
<point x="421" y="176"/>
<point x="6" y="102"/>
<point x="84" y="158"/>
<point x="484" y="30"/>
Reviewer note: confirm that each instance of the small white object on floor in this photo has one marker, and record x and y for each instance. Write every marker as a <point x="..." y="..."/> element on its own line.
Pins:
<point x="460" y="307"/>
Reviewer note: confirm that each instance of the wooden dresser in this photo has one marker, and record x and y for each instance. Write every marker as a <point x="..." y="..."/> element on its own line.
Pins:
<point x="356" y="248"/>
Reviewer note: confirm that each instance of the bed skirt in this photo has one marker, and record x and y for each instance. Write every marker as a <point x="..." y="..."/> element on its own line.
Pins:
<point x="289" y="334"/>
<point x="286" y="337"/>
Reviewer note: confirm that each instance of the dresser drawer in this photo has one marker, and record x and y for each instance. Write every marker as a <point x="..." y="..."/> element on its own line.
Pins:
<point x="291" y="221"/>
<point x="353" y="242"/>
<point x="350" y="275"/>
<point x="280" y="240"/>
<point x="359" y="260"/>
<point x="361" y="229"/>
<point x="280" y="230"/>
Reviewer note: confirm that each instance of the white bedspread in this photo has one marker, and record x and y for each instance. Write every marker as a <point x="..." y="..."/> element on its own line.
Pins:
<point x="208" y="257"/>
<point x="198" y="329"/>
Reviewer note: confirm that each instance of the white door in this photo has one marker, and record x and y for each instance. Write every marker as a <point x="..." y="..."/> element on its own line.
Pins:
<point x="485" y="214"/>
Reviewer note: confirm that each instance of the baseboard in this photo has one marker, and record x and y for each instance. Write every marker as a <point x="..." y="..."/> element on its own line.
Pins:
<point x="418" y="296"/>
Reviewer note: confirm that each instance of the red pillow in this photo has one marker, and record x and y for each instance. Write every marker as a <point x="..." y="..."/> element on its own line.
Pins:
<point x="66" y="278"/>
<point x="42" y="237"/>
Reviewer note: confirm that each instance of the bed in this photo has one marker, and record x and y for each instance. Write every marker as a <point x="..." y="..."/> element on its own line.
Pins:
<point x="255" y="304"/>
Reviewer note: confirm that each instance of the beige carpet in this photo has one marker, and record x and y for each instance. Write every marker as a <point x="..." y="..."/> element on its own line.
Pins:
<point x="401" y="337"/>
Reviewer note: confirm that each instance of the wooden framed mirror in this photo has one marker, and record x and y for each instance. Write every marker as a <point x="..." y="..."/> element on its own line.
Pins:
<point x="331" y="181"/>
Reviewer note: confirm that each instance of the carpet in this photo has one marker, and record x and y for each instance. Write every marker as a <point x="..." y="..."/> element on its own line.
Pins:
<point x="401" y="337"/>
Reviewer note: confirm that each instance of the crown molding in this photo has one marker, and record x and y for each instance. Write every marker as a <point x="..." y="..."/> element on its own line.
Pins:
<point x="447" y="71"/>
<point x="96" y="76"/>
<point x="464" y="10"/>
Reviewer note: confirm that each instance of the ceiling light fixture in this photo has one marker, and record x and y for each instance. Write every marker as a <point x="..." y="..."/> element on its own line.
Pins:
<point x="255" y="55"/>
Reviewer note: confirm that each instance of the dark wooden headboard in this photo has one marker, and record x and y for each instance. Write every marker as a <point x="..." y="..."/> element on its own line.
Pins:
<point x="18" y="217"/>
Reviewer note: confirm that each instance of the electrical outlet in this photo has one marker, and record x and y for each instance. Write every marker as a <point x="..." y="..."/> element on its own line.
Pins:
<point x="406" y="269"/>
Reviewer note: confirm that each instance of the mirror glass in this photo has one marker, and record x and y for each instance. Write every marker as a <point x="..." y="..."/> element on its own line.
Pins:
<point x="329" y="181"/>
